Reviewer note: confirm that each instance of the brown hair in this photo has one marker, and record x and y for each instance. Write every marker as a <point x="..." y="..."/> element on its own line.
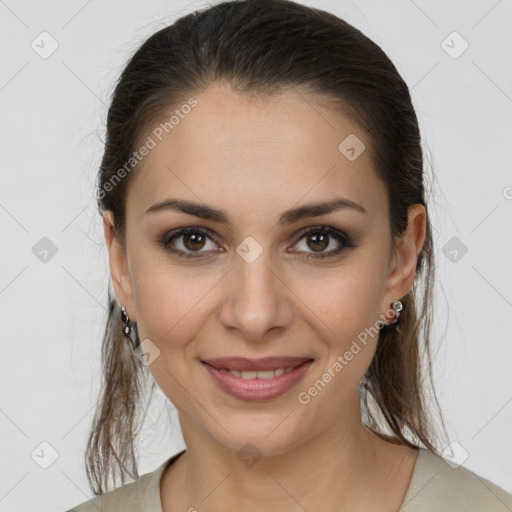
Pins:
<point x="265" y="46"/>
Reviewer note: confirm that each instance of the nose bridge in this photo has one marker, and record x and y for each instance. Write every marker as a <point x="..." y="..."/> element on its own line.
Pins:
<point x="256" y="298"/>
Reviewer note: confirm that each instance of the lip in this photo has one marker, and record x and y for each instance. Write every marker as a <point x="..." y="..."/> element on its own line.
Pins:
<point x="265" y="363"/>
<point x="258" y="389"/>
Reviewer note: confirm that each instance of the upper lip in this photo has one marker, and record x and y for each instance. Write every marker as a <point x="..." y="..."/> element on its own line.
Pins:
<point x="265" y="363"/>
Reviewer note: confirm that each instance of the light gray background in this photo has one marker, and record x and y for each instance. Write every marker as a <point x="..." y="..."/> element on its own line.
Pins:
<point x="52" y="116"/>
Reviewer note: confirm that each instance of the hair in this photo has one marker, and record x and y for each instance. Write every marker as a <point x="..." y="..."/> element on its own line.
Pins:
<point x="264" y="47"/>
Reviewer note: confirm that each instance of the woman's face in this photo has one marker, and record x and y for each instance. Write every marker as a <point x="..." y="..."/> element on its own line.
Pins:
<point x="247" y="281"/>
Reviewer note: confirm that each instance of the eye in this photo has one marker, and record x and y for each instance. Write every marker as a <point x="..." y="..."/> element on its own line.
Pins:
<point x="320" y="238"/>
<point x="190" y="240"/>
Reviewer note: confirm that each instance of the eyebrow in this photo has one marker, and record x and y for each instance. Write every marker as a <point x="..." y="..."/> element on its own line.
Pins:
<point x="288" y="217"/>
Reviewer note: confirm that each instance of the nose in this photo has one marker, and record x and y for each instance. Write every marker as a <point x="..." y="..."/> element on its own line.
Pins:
<point x="256" y="299"/>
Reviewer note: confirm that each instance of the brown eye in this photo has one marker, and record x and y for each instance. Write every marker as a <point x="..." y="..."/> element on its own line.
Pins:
<point x="318" y="242"/>
<point x="189" y="242"/>
<point x="319" y="238"/>
<point x="193" y="241"/>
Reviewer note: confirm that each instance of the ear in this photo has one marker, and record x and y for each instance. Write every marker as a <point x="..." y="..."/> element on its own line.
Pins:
<point x="403" y="264"/>
<point x="118" y="266"/>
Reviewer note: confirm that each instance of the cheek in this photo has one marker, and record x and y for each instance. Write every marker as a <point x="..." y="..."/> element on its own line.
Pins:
<point x="170" y="307"/>
<point x="171" y="301"/>
<point x="346" y="299"/>
<point x="343" y="308"/>
<point x="345" y="317"/>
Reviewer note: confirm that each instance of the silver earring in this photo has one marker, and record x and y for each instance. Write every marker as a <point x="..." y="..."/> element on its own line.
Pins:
<point x="397" y="306"/>
<point x="129" y="327"/>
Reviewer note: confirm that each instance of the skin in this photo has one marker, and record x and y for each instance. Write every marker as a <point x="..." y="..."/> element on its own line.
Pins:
<point x="255" y="159"/>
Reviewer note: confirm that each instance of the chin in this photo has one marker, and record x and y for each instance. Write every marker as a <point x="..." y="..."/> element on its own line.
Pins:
<point x="260" y="435"/>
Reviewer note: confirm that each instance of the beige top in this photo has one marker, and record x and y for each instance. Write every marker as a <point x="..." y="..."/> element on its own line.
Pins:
<point x="434" y="487"/>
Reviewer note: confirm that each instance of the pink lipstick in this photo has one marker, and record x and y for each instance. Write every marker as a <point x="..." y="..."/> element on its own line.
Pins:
<point x="257" y="379"/>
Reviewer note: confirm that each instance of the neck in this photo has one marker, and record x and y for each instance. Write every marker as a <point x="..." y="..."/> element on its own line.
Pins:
<point x="345" y="468"/>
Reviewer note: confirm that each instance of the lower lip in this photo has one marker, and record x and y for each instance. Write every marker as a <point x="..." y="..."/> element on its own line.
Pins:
<point x="257" y="389"/>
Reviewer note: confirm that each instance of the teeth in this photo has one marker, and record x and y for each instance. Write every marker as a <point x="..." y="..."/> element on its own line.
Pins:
<point x="269" y="374"/>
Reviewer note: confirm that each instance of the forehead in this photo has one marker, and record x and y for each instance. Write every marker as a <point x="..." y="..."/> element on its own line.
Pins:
<point x="247" y="150"/>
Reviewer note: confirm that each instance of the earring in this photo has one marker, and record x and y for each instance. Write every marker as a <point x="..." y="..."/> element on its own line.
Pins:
<point x="130" y="328"/>
<point x="397" y="306"/>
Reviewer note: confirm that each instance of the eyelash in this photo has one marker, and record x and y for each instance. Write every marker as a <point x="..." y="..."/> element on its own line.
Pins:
<point x="341" y="237"/>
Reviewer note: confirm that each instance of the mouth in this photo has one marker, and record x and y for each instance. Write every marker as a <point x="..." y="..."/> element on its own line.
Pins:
<point x="244" y="364"/>
<point x="249" y="379"/>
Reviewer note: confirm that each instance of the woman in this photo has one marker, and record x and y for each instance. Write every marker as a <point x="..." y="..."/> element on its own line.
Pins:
<point x="271" y="256"/>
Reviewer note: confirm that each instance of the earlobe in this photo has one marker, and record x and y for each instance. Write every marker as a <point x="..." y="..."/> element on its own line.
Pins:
<point x="117" y="262"/>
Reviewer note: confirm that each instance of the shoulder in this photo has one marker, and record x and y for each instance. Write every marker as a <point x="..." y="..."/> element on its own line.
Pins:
<point x="129" y="497"/>
<point x="142" y="494"/>
<point x="437" y="485"/>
